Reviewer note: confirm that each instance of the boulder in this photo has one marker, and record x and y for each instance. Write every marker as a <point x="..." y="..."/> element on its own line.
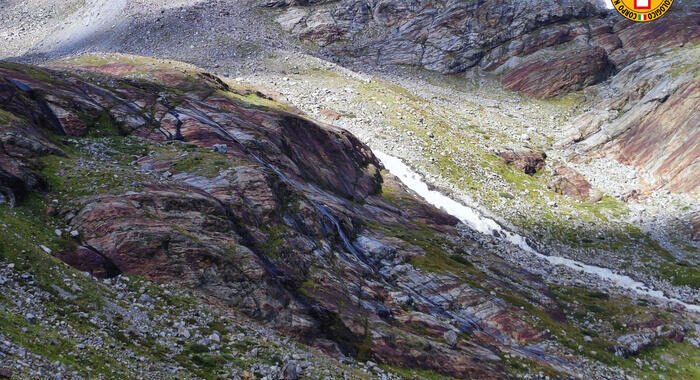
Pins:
<point x="568" y="182"/>
<point x="528" y="162"/>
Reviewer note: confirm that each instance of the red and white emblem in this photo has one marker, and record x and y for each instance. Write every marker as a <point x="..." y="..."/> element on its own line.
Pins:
<point x="642" y="4"/>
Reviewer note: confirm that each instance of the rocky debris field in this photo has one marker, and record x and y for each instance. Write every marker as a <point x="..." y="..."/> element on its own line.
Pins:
<point x="64" y="324"/>
<point x="221" y="33"/>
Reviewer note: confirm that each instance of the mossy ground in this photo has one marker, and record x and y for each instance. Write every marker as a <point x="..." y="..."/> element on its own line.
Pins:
<point x="462" y="152"/>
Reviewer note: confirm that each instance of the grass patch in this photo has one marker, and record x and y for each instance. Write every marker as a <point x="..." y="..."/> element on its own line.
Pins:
<point x="207" y="164"/>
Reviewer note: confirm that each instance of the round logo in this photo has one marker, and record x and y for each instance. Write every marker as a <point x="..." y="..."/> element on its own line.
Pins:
<point x="642" y="10"/>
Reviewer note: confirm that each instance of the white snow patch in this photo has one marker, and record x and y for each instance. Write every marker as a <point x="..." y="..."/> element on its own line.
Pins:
<point x="478" y="222"/>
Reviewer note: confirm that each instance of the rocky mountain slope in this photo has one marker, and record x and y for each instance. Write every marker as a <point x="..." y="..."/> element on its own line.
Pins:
<point x="542" y="49"/>
<point x="215" y="220"/>
<point x="161" y="171"/>
<point x="610" y="136"/>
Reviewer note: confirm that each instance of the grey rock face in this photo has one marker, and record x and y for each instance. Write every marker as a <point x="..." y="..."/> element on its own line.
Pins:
<point x="447" y="36"/>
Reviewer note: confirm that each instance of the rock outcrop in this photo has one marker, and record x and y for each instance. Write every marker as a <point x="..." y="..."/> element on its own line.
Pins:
<point x="528" y="162"/>
<point x="171" y="174"/>
<point x="444" y="36"/>
<point x="546" y="79"/>
<point x="254" y="206"/>
<point x="569" y="182"/>
<point x="570" y="44"/>
<point x="647" y="118"/>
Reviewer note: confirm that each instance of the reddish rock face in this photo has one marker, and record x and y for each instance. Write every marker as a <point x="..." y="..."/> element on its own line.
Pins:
<point x="527" y="162"/>
<point x="546" y="79"/>
<point x="639" y="39"/>
<point x="268" y="212"/>
<point x="664" y="142"/>
<point x="586" y="41"/>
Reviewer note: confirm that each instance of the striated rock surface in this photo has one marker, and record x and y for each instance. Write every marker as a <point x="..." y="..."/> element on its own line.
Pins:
<point x="254" y="206"/>
<point x="171" y="174"/>
<point x="648" y="119"/>
<point x="546" y="79"/>
<point x="444" y="36"/>
<point x="545" y="48"/>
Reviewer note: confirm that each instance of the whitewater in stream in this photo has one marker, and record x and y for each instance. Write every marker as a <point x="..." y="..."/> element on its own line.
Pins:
<point x="480" y="223"/>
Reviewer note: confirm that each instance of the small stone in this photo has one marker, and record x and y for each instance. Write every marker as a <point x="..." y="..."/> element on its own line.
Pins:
<point x="587" y="339"/>
<point x="145" y="298"/>
<point x="450" y="337"/>
<point x="74" y="233"/>
<point x="5" y="373"/>
<point x="290" y="371"/>
<point x="58" y="232"/>
<point x="45" y="249"/>
<point x="183" y="332"/>
<point x="221" y="148"/>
